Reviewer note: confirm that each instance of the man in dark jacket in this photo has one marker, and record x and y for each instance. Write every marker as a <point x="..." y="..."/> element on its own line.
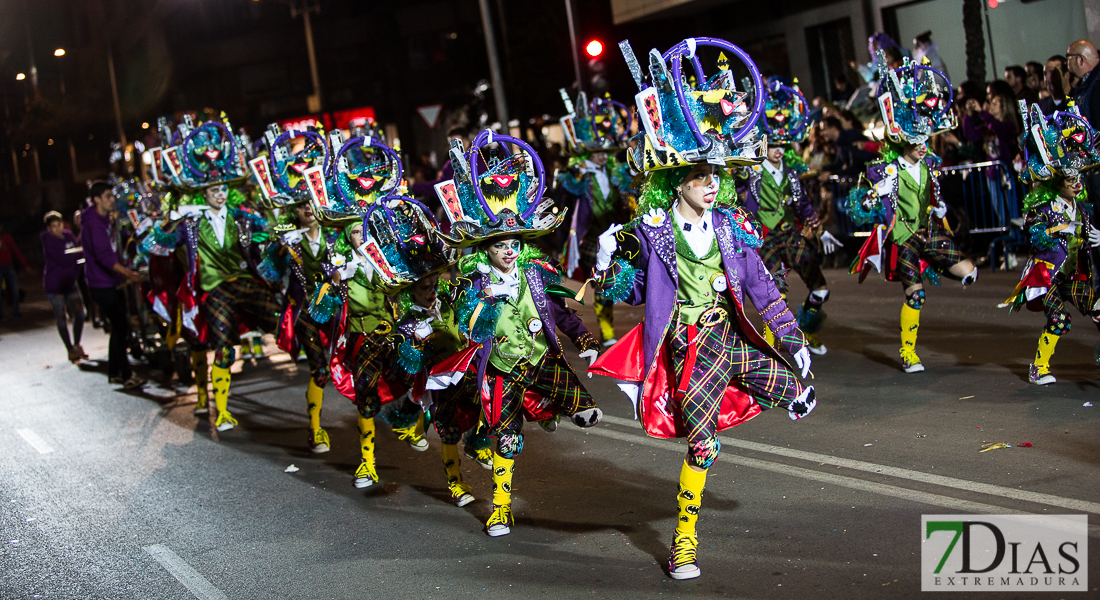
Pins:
<point x="1084" y="62"/>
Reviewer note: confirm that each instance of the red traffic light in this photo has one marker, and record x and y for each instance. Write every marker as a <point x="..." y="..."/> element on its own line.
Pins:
<point x="594" y="48"/>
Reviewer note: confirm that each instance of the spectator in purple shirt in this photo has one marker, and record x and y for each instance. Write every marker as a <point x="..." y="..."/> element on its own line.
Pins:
<point x="104" y="272"/>
<point x="62" y="256"/>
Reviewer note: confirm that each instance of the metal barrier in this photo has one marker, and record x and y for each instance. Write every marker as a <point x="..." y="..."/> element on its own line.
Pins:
<point x="984" y="199"/>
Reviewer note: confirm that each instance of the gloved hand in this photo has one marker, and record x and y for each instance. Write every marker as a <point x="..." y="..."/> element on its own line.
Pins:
<point x="503" y="289"/>
<point x="423" y="328"/>
<point x="829" y="244"/>
<point x="293" y="237"/>
<point x="939" y="211"/>
<point x="608" y="246"/>
<point x="591" y="356"/>
<point x="347" y="271"/>
<point x="802" y="359"/>
<point x="1094" y="237"/>
<point x="192" y="210"/>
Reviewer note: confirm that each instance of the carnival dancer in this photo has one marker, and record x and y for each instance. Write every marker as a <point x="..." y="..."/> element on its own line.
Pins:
<point x="221" y="287"/>
<point x="912" y="239"/>
<point x="696" y="365"/>
<point x="1059" y="224"/>
<point x="511" y="305"/>
<point x="793" y="234"/>
<point x="597" y="187"/>
<point x="303" y="250"/>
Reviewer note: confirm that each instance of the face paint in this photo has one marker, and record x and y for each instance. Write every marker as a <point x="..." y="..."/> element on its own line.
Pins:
<point x="424" y="291"/>
<point x="504" y="253"/>
<point x="700" y="189"/>
<point x="355" y="235"/>
<point x="216" y="195"/>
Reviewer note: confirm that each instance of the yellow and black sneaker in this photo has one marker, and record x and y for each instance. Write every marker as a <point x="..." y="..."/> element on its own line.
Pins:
<point x="460" y="494"/>
<point x="365" y="475"/>
<point x="682" y="561"/>
<point x="910" y="362"/>
<point x="225" y="421"/>
<point x="318" y="441"/>
<point x="483" y="457"/>
<point x="413" y="435"/>
<point x="500" y="522"/>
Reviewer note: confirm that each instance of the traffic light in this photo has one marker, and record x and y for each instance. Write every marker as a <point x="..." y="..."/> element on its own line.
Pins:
<point x="594" y="48"/>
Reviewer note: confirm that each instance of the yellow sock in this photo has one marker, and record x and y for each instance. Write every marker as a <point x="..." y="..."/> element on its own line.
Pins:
<point x="451" y="463"/>
<point x="769" y="337"/>
<point x="910" y="322"/>
<point x="202" y="375"/>
<point x="315" y="394"/>
<point x="689" y="496"/>
<point x="605" y="315"/>
<point x="502" y="479"/>
<point x="366" y="438"/>
<point x="1047" y="342"/>
<point x="220" y="377"/>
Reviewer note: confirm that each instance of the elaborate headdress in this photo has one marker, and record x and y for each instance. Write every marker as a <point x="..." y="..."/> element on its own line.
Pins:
<point x="598" y="126"/>
<point x="281" y="173"/>
<point x="505" y="201"/>
<point x="401" y="241"/>
<point x="698" y="120"/>
<point x="915" y="101"/>
<point x="200" y="157"/>
<point x="364" y="170"/>
<point x="1059" y="145"/>
<point x="785" y="114"/>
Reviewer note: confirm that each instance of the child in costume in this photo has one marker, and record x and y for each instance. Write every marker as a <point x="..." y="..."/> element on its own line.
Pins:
<point x="221" y="286"/>
<point x="696" y="365"/>
<point x="1059" y="224"/>
<point x="792" y="233"/>
<point x="596" y="186"/>
<point x="912" y="239"/>
<point x="510" y="306"/>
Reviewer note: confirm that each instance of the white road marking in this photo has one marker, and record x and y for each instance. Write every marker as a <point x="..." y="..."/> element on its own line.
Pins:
<point x="832" y="479"/>
<point x="859" y="465"/>
<point x="33" y="439"/>
<point x="189" y="577"/>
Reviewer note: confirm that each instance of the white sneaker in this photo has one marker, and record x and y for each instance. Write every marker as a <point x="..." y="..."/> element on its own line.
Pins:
<point x="609" y="343"/>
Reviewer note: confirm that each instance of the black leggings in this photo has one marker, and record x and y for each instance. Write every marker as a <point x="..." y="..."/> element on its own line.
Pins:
<point x="112" y="305"/>
<point x="71" y="302"/>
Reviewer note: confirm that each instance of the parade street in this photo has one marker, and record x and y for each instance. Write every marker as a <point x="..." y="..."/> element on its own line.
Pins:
<point x="105" y="494"/>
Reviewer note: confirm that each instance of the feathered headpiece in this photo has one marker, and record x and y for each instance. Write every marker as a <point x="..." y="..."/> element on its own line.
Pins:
<point x="504" y="201"/>
<point x="697" y="120"/>
<point x="401" y="241"/>
<point x="785" y="113"/>
<point x="915" y="101"/>
<point x="194" y="158"/>
<point x="600" y="126"/>
<point x="1059" y="145"/>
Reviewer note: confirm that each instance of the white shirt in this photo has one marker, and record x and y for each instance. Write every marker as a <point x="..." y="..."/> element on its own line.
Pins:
<point x="912" y="170"/>
<point x="427" y="313"/>
<point x="217" y="220"/>
<point x="601" y="176"/>
<point x="314" y="245"/>
<point x="700" y="236"/>
<point x="777" y="172"/>
<point x="508" y="281"/>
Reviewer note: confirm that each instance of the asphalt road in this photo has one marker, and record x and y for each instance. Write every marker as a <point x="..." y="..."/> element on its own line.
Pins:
<point x="105" y="494"/>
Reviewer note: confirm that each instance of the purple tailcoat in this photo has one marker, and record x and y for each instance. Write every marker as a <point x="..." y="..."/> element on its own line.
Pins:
<point x="657" y="283"/>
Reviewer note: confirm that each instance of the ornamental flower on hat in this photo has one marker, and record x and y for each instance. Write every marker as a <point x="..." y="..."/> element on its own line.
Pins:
<point x="785" y="111"/>
<point x="915" y="101"/>
<point x="697" y="119"/>
<point x="198" y="157"/>
<point x="401" y="241"/>
<point x="1063" y="144"/>
<point x="290" y="154"/>
<point x="364" y="169"/>
<point x="505" y="201"/>
<point x="602" y="125"/>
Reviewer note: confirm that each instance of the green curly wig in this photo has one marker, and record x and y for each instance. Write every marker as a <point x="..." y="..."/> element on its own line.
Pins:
<point x="1047" y="191"/>
<point x="659" y="189"/>
<point x="469" y="263"/>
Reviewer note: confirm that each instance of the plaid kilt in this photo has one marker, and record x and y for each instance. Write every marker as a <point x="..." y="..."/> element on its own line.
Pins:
<point x="370" y="360"/>
<point x="552" y="378"/>
<point x="1077" y="292"/>
<point x="724" y="357"/>
<point x="308" y="333"/>
<point x="931" y="244"/>
<point x="243" y="301"/>
<point x="456" y="409"/>
<point x="786" y="246"/>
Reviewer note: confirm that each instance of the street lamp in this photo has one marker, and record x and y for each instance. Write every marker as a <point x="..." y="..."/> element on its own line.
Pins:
<point x="59" y="52"/>
<point x="20" y="77"/>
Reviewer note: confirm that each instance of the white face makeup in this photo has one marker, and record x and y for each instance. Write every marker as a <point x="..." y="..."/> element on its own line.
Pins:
<point x="600" y="158"/>
<point x="915" y="153"/>
<point x="305" y="215"/>
<point x="775" y="154"/>
<point x="425" y="290"/>
<point x="700" y="189"/>
<point x="1071" y="186"/>
<point x="216" y="195"/>
<point x="504" y="253"/>
<point x="355" y="235"/>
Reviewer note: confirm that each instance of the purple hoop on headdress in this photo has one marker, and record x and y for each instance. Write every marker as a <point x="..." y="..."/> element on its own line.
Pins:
<point x="358" y="141"/>
<point x="950" y="90"/>
<point x="629" y="115"/>
<point x="387" y="212"/>
<point x="758" y="83"/>
<point x="805" y="106"/>
<point x="225" y="134"/>
<point x="316" y="137"/>
<point x="471" y="159"/>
